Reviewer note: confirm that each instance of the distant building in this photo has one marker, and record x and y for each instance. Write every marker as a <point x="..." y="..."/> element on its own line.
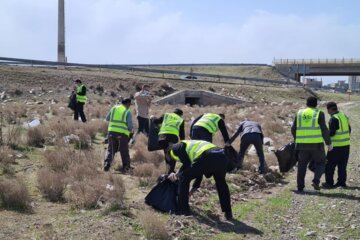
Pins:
<point x="341" y="86"/>
<point x="354" y="83"/>
<point x="312" y="83"/>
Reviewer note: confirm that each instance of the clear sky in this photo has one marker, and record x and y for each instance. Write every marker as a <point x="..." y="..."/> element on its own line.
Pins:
<point x="182" y="31"/>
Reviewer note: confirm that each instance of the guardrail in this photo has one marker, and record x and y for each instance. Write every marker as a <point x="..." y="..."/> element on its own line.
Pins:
<point x="141" y="68"/>
<point x="317" y="61"/>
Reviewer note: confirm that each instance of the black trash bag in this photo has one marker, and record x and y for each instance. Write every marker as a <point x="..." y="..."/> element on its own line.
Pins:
<point x="153" y="144"/>
<point x="72" y="101"/>
<point x="163" y="196"/>
<point x="231" y="154"/>
<point x="287" y="157"/>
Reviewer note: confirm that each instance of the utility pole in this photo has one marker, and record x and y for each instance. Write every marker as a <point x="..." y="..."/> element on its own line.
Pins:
<point x="61" y="35"/>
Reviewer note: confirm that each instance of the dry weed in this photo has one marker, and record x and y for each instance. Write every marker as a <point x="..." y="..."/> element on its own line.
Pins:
<point x="7" y="155"/>
<point x="154" y="227"/>
<point x="14" y="194"/>
<point x="51" y="184"/>
<point x="142" y="155"/>
<point x="35" y="137"/>
<point x="60" y="159"/>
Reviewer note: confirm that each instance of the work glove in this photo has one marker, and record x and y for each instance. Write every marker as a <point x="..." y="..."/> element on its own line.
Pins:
<point x="172" y="177"/>
<point x="330" y="147"/>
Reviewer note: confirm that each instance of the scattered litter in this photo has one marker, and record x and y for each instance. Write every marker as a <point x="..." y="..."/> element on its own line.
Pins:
<point x="71" y="138"/>
<point x="32" y="123"/>
<point x="268" y="141"/>
<point x="109" y="187"/>
<point x="310" y="234"/>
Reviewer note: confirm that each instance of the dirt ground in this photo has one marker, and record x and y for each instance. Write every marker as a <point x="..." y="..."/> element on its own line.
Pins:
<point x="264" y="208"/>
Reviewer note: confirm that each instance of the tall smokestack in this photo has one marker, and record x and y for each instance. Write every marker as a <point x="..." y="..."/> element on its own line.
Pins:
<point x="61" y="33"/>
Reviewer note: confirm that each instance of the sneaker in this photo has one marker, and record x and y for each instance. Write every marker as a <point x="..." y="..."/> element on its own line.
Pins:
<point x="327" y="186"/>
<point x="229" y="216"/>
<point x="316" y="186"/>
<point x="106" y="166"/>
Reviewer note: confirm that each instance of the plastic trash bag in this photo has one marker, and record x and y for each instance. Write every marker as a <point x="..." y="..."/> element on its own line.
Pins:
<point x="72" y="101"/>
<point x="33" y="123"/>
<point x="231" y="154"/>
<point x="287" y="157"/>
<point x="153" y="144"/>
<point x="163" y="196"/>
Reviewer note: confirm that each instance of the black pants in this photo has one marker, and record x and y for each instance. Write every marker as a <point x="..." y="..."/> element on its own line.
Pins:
<point x="200" y="133"/>
<point x="143" y="125"/>
<point x="118" y="142"/>
<point x="338" y="157"/>
<point x="256" y="140"/>
<point x="79" y="110"/>
<point x="305" y="156"/>
<point x="211" y="163"/>
<point x="165" y="141"/>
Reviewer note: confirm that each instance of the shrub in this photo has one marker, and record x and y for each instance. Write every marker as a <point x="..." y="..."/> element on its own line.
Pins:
<point x="86" y="193"/>
<point x="35" y="137"/>
<point x="154" y="227"/>
<point x="84" y="141"/>
<point x="13" y="136"/>
<point x="60" y="159"/>
<point x="14" y="194"/>
<point x="7" y="155"/>
<point x="142" y="155"/>
<point x="51" y="184"/>
<point x="144" y="170"/>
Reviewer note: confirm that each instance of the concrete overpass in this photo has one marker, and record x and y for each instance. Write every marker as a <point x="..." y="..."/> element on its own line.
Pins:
<point x="295" y="68"/>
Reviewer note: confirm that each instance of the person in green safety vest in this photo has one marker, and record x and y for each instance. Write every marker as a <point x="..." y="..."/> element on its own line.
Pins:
<point x="172" y="130"/>
<point x="200" y="158"/>
<point x="340" y="130"/>
<point x="81" y="99"/>
<point x="310" y="132"/>
<point x="120" y="130"/>
<point x="205" y="126"/>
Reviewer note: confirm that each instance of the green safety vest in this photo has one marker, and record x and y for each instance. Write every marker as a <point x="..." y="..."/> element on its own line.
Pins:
<point x="171" y="124"/>
<point x="194" y="149"/>
<point x="210" y="122"/>
<point x="342" y="135"/>
<point x="118" y="120"/>
<point x="307" y="126"/>
<point x="80" y="98"/>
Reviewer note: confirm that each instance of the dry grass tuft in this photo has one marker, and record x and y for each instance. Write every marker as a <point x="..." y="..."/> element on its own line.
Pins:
<point x="7" y="155"/>
<point x="35" y="137"/>
<point x="154" y="227"/>
<point x="51" y="184"/>
<point x="14" y="194"/>
<point x="84" y="141"/>
<point x="60" y="159"/>
<point x="142" y="155"/>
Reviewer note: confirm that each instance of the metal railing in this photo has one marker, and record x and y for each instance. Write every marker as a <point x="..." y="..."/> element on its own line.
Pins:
<point x="317" y="61"/>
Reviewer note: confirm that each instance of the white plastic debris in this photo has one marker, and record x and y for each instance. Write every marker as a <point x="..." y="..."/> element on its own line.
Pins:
<point x="109" y="187"/>
<point x="71" y="138"/>
<point x="32" y="123"/>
